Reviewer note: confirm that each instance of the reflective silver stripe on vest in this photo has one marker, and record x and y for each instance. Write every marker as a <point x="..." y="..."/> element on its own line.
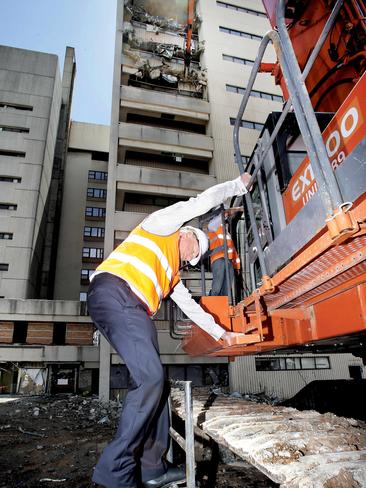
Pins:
<point x="140" y="266"/>
<point x="149" y="244"/>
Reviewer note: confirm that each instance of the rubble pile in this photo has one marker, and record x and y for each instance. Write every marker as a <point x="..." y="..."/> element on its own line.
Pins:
<point x="162" y="65"/>
<point x="140" y="14"/>
<point x="250" y="397"/>
<point x="83" y="409"/>
<point x="54" y="439"/>
<point x="50" y="441"/>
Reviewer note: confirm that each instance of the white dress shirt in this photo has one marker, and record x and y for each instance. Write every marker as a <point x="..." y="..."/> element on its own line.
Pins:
<point x="170" y="219"/>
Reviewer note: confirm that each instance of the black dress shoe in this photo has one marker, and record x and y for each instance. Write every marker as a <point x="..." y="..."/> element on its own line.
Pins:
<point x="173" y="475"/>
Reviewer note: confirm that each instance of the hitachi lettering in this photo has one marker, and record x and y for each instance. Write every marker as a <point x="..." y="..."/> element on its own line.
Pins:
<point x="305" y="187"/>
<point x="302" y="183"/>
<point x="333" y="143"/>
<point x="344" y="132"/>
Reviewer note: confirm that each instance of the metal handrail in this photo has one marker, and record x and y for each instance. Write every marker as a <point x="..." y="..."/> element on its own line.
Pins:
<point x="304" y="74"/>
<point x="226" y="254"/>
<point x="247" y="197"/>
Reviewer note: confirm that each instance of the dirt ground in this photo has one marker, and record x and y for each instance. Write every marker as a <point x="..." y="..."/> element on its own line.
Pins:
<point x="56" y="441"/>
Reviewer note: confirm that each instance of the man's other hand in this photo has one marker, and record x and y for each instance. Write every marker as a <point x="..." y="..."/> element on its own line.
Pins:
<point x="232" y="338"/>
<point x="245" y="178"/>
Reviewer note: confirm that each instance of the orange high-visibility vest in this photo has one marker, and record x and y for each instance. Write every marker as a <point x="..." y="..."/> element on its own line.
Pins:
<point x="217" y="250"/>
<point x="148" y="263"/>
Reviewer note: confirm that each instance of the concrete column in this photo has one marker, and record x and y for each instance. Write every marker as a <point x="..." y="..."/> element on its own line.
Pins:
<point x="104" y="368"/>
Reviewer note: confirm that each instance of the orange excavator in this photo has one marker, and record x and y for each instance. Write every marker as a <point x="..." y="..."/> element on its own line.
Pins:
<point x="189" y="31"/>
<point x="302" y="232"/>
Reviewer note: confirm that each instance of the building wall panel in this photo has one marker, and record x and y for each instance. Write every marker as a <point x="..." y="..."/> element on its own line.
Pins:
<point x="285" y="384"/>
<point x="40" y="333"/>
<point x="6" y="332"/>
<point x="79" y="334"/>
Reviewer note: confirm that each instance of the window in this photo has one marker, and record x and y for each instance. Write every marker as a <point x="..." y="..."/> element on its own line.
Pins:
<point x="248" y="124"/>
<point x="254" y="93"/>
<point x="241" y="9"/>
<point x="266" y="96"/>
<point x="8" y="206"/>
<point x="14" y="154"/>
<point x="93" y="252"/>
<point x="234" y="32"/>
<point x="235" y="59"/>
<point x="6" y="128"/>
<point x="97" y="175"/>
<point x="93" y="231"/>
<point x="291" y="363"/>
<point x="86" y="274"/>
<point x="15" y="106"/>
<point x="10" y="179"/>
<point x="100" y="193"/>
<point x="95" y="212"/>
<point x="6" y="235"/>
<point x="4" y="266"/>
<point x="99" y="156"/>
<point x="83" y="296"/>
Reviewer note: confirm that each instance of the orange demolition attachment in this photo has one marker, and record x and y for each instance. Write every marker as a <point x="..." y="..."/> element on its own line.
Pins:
<point x="302" y="235"/>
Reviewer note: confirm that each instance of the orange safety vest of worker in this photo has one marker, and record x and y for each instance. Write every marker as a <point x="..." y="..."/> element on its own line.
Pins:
<point x="217" y="250"/>
<point x="148" y="263"/>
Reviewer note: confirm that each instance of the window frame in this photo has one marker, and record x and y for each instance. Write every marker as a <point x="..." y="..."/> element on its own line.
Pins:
<point x="248" y="124"/>
<point x="299" y="363"/>
<point x="235" y="32"/>
<point x="237" y="8"/>
<point x="92" y="175"/>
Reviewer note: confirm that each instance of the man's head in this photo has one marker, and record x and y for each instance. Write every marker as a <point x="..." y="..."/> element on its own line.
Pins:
<point x="193" y="244"/>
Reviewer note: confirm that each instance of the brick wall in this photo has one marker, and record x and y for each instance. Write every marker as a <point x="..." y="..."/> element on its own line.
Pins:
<point x="40" y="333"/>
<point x="79" y="334"/>
<point x="6" y="332"/>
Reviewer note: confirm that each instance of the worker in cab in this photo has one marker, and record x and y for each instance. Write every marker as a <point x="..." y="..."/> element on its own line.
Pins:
<point x="125" y="292"/>
<point x="217" y="235"/>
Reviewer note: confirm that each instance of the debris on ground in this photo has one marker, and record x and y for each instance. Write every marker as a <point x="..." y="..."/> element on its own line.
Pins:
<point x="50" y="441"/>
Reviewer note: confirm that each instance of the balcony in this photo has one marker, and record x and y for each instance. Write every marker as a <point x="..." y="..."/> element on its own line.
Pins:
<point x="161" y="181"/>
<point x="154" y="101"/>
<point x="50" y="354"/>
<point x="41" y="310"/>
<point x="147" y="138"/>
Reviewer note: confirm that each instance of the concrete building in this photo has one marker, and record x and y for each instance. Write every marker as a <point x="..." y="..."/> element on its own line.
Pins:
<point x="34" y="104"/>
<point x="46" y="345"/>
<point x="81" y="236"/>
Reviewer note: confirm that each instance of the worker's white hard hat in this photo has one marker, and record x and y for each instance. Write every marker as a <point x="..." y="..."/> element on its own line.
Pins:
<point x="202" y="241"/>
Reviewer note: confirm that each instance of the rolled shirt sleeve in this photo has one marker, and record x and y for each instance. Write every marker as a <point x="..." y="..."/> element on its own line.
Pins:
<point x="168" y="220"/>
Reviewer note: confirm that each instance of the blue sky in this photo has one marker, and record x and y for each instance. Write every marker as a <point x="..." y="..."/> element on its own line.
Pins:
<point x="88" y="26"/>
